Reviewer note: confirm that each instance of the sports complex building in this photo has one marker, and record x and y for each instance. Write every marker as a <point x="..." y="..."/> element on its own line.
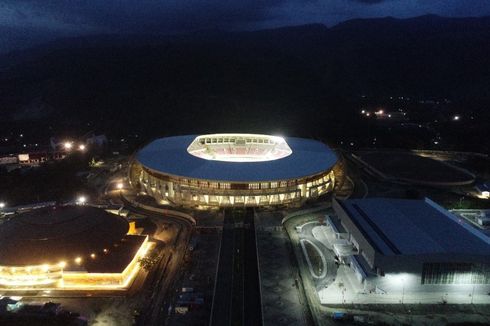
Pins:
<point x="69" y="247"/>
<point x="411" y="246"/>
<point x="233" y="170"/>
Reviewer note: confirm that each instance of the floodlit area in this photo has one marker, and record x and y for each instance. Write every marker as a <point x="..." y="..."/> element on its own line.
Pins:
<point x="70" y="248"/>
<point x="239" y="170"/>
<point x="335" y="276"/>
<point x="239" y="147"/>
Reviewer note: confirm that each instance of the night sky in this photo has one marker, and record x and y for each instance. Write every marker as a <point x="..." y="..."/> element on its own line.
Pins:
<point x="27" y="21"/>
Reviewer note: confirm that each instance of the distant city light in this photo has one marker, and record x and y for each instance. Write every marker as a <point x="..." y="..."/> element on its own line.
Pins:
<point x="92" y="255"/>
<point x="363" y="111"/>
<point x="368" y="114"/>
<point x="456" y="117"/>
<point x="78" y="260"/>
<point x="68" y="145"/>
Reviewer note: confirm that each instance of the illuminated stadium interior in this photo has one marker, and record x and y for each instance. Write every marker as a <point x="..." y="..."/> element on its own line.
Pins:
<point x="239" y="147"/>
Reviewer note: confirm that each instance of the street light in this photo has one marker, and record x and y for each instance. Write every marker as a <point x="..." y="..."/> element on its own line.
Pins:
<point x="456" y="117"/>
<point x="82" y="147"/>
<point x="81" y="200"/>
<point x="120" y="185"/>
<point x="68" y="145"/>
<point x="2" y="205"/>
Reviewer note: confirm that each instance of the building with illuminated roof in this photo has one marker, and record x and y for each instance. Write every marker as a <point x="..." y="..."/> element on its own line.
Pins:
<point x="69" y="248"/>
<point x="233" y="170"/>
<point x="411" y="245"/>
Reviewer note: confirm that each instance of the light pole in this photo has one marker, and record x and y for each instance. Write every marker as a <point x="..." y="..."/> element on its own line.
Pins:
<point x="473" y="293"/>
<point x="62" y="265"/>
<point x="403" y="289"/>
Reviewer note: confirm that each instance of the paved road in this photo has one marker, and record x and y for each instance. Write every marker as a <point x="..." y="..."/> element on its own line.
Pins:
<point x="237" y="295"/>
<point x="310" y="291"/>
<point x="221" y="309"/>
<point x="252" y="298"/>
<point x="168" y="266"/>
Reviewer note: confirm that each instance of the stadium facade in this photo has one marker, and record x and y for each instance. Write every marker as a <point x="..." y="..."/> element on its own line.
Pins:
<point x="69" y="247"/>
<point x="220" y="170"/>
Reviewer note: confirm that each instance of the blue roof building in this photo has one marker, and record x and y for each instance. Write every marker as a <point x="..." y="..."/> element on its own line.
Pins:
<point x="416" y="237"/>
<point x="234" y="170"/>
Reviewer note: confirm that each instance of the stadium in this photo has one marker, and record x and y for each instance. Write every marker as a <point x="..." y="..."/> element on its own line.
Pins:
<point x="69" y="247"/>
<point x="223" y="170"/>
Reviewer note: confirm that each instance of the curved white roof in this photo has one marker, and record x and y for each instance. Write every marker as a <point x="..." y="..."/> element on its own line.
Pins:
<point x="170" y="156"/>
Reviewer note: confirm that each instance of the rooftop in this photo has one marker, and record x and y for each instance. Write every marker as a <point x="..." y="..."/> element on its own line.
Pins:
<point x="171" y="155"/>
<point x="411" y="227"/>
<point x="53" y="234"/>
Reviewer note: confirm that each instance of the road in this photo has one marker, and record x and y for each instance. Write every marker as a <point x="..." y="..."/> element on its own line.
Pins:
<point x="252" y="297"/>
<point x="237" y="298"/>
<point x="221" y="309"/>
<point x="161" y="284"/>
<point x="309" y="288"/>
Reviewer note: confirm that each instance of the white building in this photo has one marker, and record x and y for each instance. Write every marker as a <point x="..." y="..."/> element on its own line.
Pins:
<point x="412" y="246"/>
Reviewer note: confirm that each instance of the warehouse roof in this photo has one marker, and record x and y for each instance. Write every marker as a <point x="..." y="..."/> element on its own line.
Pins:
<point x="409" y="227"/>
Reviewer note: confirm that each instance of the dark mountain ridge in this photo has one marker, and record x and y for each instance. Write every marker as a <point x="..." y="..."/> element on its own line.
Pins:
<point x="288" y="77"/>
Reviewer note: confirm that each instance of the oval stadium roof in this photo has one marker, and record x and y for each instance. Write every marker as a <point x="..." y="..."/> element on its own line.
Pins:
<point x="170" y="156"/>
<point x="50" y="235"/>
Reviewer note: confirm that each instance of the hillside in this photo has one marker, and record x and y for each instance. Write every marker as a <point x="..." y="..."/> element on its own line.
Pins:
<point x="297" y="79"/>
